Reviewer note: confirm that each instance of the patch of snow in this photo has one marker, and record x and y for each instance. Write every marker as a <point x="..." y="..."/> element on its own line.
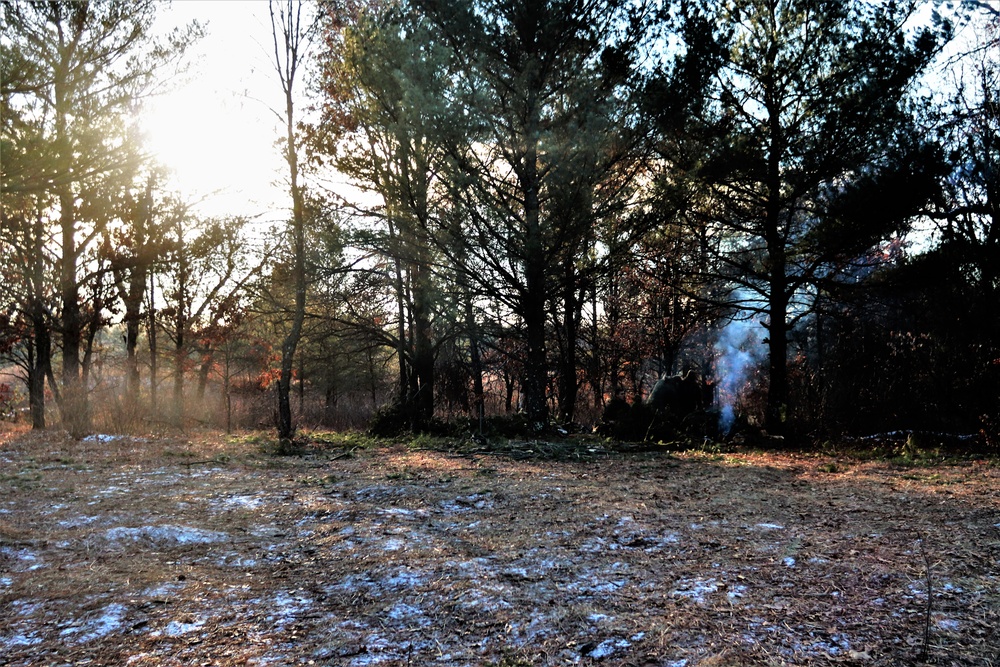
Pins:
<point x="165" y="534"/>
<point x="637" y="637"/>
<point x="596" y="587"/>
<point x="26" y="607"/>
<point x="593" y="545"/>
<point x="676" y="663"/>
<point x="736" y="592"/>
<point x="695" y="589"/>
<point x="19" y="554"/>
<point x="110" y="620"/>
<point x="236" y="560"/>
<point x="659" y="542"/>
<point x="403" y="579"/>
<point x="947" y="624"/>
<point x="202" y="473"/>
<point x="515" y="573"/>
<point x="549" y="564"/>
<point x="597" y="618"/>
<point x="788" y="561"/>
<point x="484" y="602"/>
<point x="242" y="502"/>
<point x="770" y="526"/>
<point x="287" y="606"/>
<point x="378" y="649"/>
<point x="607" y="648"/>
<point x="541" y="626"/>
<point x="20" y="639"/>
<point x="403" y="513"/>
<point x="412" y="616"/>
<point x="76" y="522"/>
<point x="102" y="437"/>
<point x="352" y="584"/>
<point x="474" y="567"/>
<point x="6" y="581"/>
<point x="28" y="559"/>
<point x="178" y="628"/>
<point x="476" y="501"/>
<point x="394" y="544"/>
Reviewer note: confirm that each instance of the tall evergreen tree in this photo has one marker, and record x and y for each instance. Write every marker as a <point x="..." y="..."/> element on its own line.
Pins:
<point x="535" y="77"/>
<point x="819" y="158"/>
<point x="386" y="86"/>
<point x="86" y="63"/>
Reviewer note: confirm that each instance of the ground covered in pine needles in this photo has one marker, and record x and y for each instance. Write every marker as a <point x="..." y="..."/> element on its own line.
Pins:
<point x="207" y="550"/>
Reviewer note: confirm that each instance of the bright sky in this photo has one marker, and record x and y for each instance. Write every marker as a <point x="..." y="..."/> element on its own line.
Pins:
<point x="215" y="129"/>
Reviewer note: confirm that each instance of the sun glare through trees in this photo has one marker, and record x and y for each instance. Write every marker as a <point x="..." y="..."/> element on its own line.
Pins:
<point x="463" y="215"/>
<point x="499" y="333"/>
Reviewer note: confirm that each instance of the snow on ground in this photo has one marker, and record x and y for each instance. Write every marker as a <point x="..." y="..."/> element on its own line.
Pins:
<point x="106" y="621"/>
<point x="164" y="534"/>
<point x="438" y="570"/>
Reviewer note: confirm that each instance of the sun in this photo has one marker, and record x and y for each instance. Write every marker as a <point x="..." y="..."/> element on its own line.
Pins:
<point x="214" y="130"/>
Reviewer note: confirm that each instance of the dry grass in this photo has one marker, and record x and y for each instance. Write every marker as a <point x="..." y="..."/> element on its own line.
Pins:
<point x="200" y="550"/>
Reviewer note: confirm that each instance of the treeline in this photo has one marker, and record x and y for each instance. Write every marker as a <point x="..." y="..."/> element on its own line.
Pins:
<point x="562" y="200"/>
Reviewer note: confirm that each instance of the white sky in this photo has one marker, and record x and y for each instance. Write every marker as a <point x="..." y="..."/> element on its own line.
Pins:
<point x="215" y="128"/>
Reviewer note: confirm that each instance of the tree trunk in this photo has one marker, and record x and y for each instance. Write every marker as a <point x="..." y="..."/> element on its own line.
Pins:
<point x="207" y="359"/>
<point x="36" y="380"/>
<point x="42" y="341"/>
<point x="535" y="368"/>
<point x="777" y="298"/>
<point x="93" y="326"/>
<point x="286" y="429"/>
<point x="777" y="392"/>
<point x="423" y="350"/>
<point x="74" y="404"/>
<point x="226" y="395"/>
<point x="152" y="346"/>
<point x="179" y="362"/>
<point x="133" y="298"/>
<point x="535" y="374"/>
<point x="568" y="385"/>
<point x="475" y="358"/>
<point x="596" y="350"/>
<point x="401" y="347"/>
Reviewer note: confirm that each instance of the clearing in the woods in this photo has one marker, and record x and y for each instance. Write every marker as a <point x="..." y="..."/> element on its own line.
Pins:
<point x="205" y="550"/>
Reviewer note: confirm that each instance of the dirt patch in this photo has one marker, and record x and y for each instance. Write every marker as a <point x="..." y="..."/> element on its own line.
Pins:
<point x="202" y="551"/>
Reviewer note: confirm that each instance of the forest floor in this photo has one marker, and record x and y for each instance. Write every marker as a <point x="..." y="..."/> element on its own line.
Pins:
<point x="206" y="550"/>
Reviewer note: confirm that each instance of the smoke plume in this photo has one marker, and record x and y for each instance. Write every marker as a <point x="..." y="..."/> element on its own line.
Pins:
<point x="739" y="349"/>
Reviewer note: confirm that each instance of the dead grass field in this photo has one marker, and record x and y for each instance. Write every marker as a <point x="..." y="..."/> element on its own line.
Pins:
<point x="207" y="551"/>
